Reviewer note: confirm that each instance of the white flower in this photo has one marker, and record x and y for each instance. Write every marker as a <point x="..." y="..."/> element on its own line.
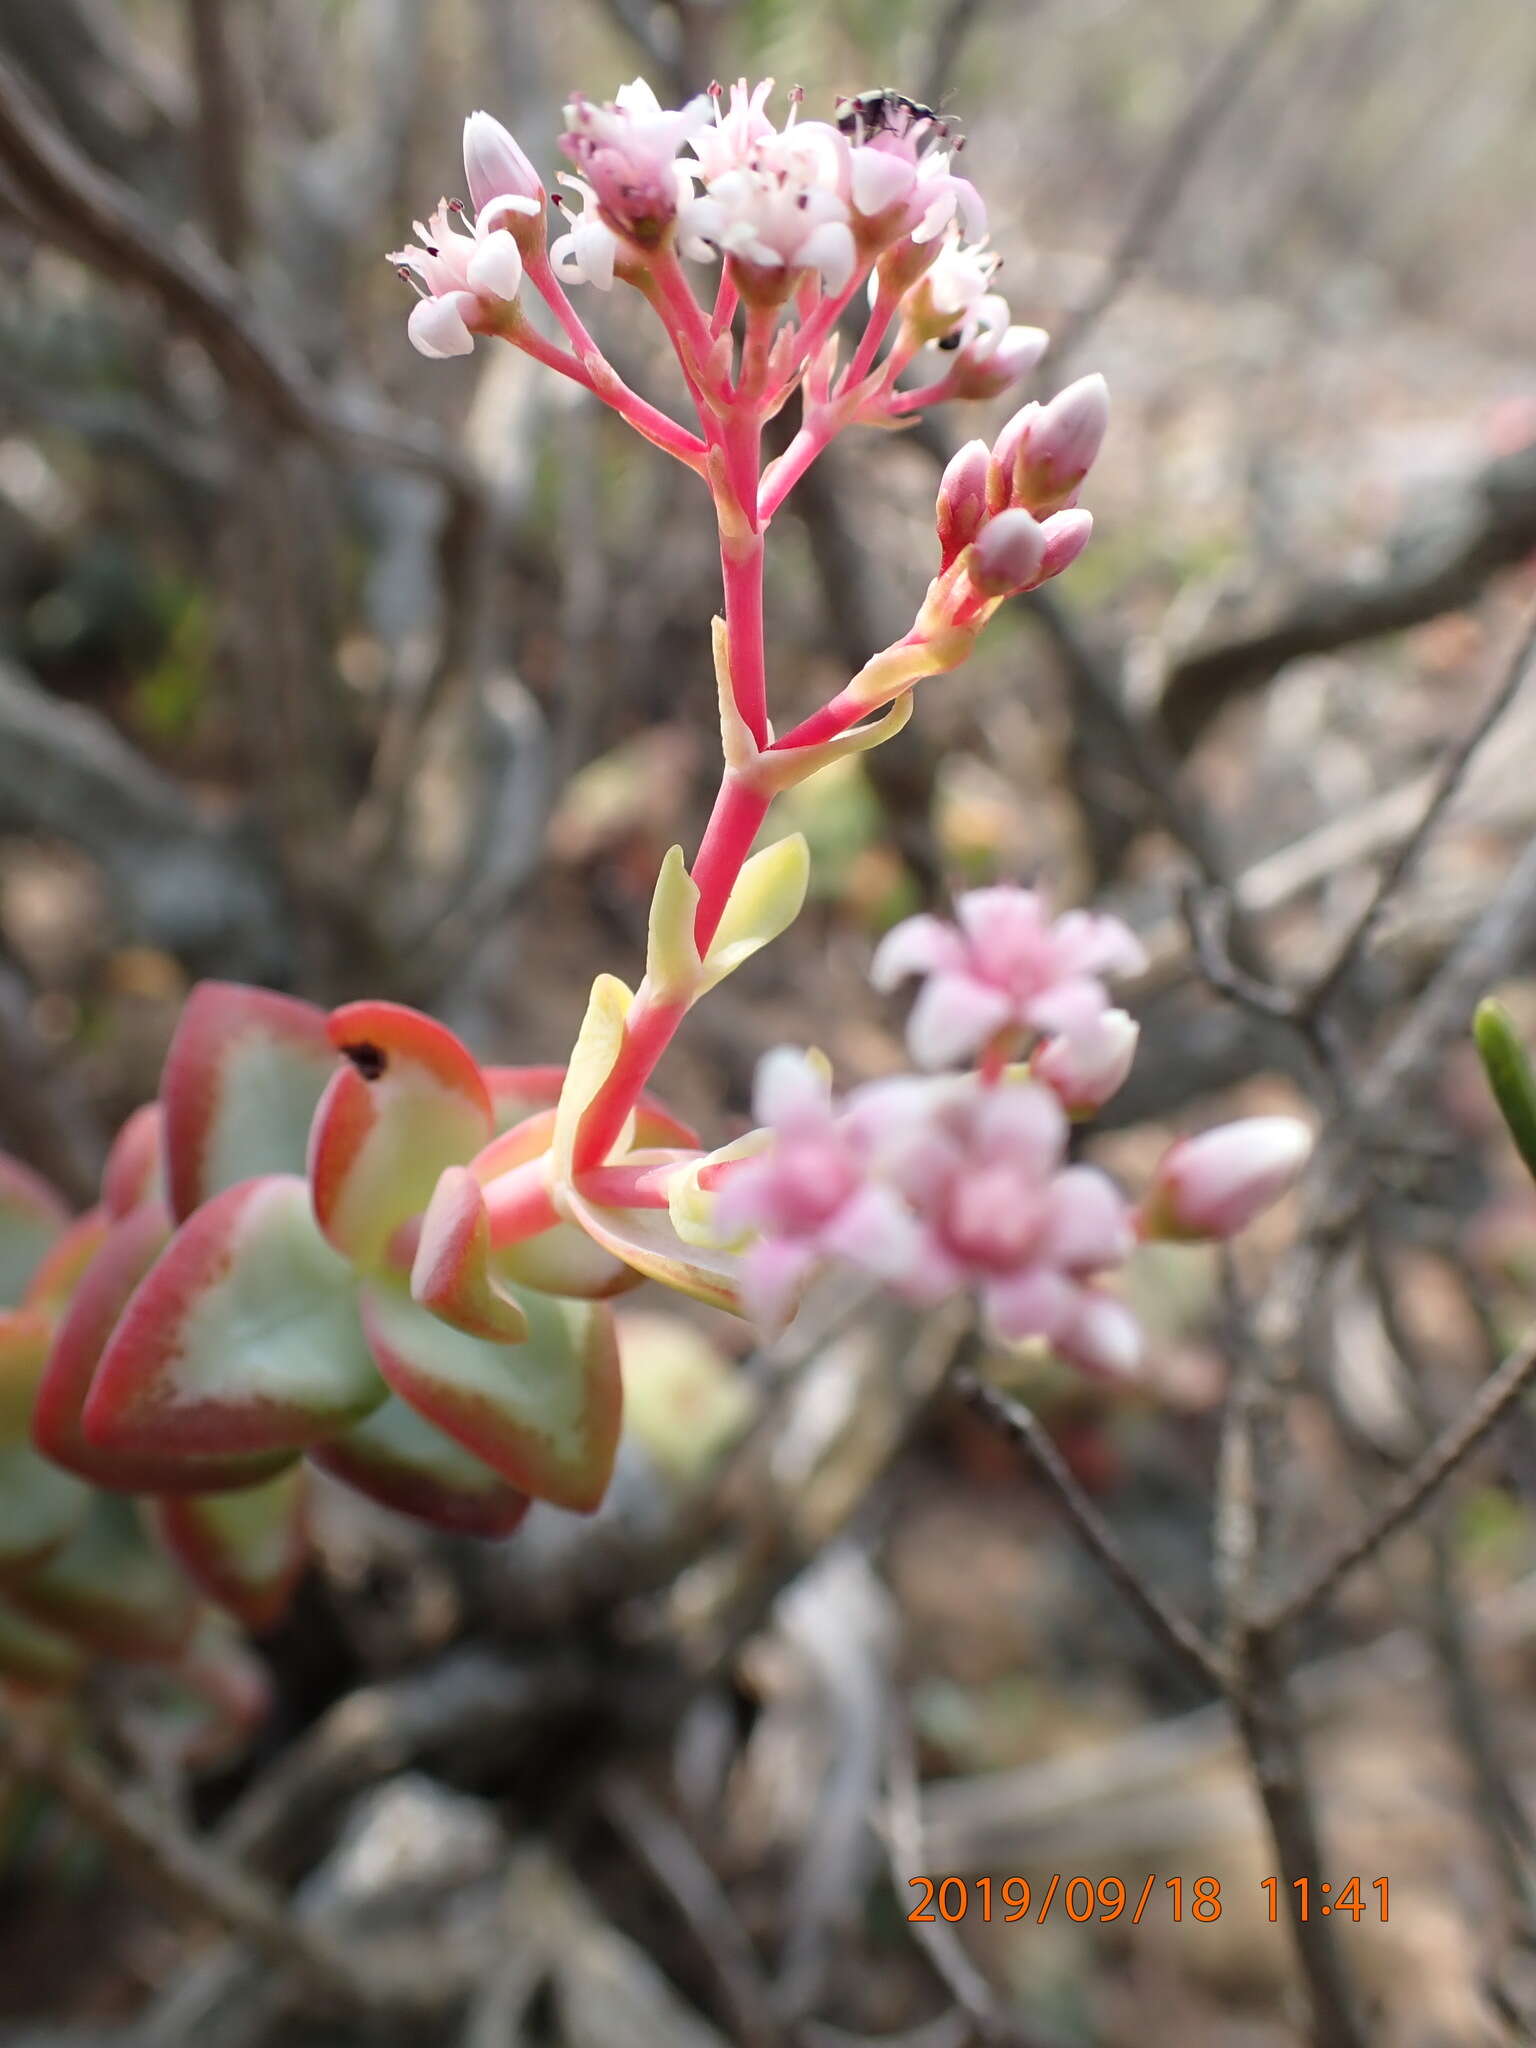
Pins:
<point x="467" y="277"/>
<point x="586" y="252"/>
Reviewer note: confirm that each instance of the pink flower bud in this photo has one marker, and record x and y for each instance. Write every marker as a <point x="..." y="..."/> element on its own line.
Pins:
<point x="962" y="502"/>
<point x="1066" y="535"/>
<point x="987" y="372"/>
<point x="1059" y="448"/>
<point x="1084" y="1069"/>
<point x="495" y="166"/>
<point x="1007" y="554"/>
<point x="1214" y="1185"/>
<point x="1005" y="454"/>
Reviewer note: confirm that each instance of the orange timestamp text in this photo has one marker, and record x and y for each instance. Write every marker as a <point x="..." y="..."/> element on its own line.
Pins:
<point x="1106" y="1898"/>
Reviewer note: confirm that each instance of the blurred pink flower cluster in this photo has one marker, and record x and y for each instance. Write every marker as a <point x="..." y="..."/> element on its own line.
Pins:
<point x="936" y="1184"/>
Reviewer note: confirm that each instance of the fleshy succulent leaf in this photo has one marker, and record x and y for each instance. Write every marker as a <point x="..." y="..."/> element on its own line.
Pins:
<point x="517" y="1092"/>
<point x="597" y="1048"/>
<point x="242" y="1339"/>
<point x="135" y="1163"/>
<point x="451" y="1274"/>
<point x="544" y="1413"/>
<point x="242" y="1077"/>
<point x="25" y="1335"/>
<point x="130" y="1248"/>
<point x="111" y="1589"/>
<point x="65" y="1261"/>
<point x="40" y="1509"/>
<point x="410" y="1102"/>
<point x="671" y="957"/>
<point x="396" y="1457"/>
<point x="767" y="898"/>
<point x="32" y="1217"/>
<point x="245" y="1551"/>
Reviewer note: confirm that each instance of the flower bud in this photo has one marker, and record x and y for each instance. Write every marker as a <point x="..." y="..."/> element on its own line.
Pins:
<point x="1007" y="554"/>
<point x="1085" y="1069"/>
<point x="982" y="371"/>
<point x="962" y="504"/>
<point x="1214" y="1185"/>
<point x="1059" y="448"/>
<point x="1066" y="535"/>
<point x="1005" y="454"/>
<point x="495" y="166"/>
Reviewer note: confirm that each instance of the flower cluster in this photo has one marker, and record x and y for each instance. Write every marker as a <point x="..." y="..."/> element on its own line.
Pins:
<point x="946" y="1183"/>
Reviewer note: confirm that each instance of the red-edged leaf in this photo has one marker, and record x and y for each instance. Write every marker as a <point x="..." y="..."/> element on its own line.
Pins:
<point x="517" y="1092"/>
<point x="111" y="1589"/>
<point x="399" y="1460"/>
<point x="134" y="1165"/>
<point x="544" y="1413"/>
<point x="246" y="1551"/>
<point x="410" y="1102"/>
<point x="67" y="1258"/>
<point x="451" y="1272"/>
<point x="130" y="1248"/>
<point x="32" y="1216"/>
<point x="241" y="1081"/>
<point x="242" y="1339"/>
<point x="25" y="1334"/>
<point x="40" y="1509"/>
<point x="646" y="1240"/>
<point x="35" y="1658"/>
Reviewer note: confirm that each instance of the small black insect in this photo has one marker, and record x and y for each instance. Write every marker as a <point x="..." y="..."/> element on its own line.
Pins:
<point x="881" y="111"/>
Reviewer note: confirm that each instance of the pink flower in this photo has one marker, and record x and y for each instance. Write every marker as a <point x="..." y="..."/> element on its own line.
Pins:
<point x="775" y="223"/>
<point x="1214" y="1185"/>
<point x="627" y="151"/>
<point x="771" y="196"/>
<point x="1006" y="965"/>
<point x="469" y="279"/>
<point x="982" y="1171"/>
<point x="899" y="184"/>
<point x="807" y="1195"/>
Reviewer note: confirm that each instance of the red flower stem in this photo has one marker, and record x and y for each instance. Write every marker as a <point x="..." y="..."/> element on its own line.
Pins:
<point x="629" y="1187"/>
<point x="604" y="382"/>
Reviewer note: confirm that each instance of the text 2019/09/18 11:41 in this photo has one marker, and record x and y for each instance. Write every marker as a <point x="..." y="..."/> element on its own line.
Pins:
<point x="1107" y="1898"/>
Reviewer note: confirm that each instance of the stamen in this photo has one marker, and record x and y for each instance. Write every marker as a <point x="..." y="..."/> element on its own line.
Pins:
<point x="415" y="283"/>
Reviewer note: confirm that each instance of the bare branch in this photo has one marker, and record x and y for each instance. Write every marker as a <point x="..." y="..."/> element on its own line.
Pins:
<point x="107" y="227"/>
<point x="1454" y="1445"/>
<point x="196" y="1878"/>
<point x="1174" y="1630"/>
<point x="1488" y="525"/>
<point x="1449" y="780"/>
